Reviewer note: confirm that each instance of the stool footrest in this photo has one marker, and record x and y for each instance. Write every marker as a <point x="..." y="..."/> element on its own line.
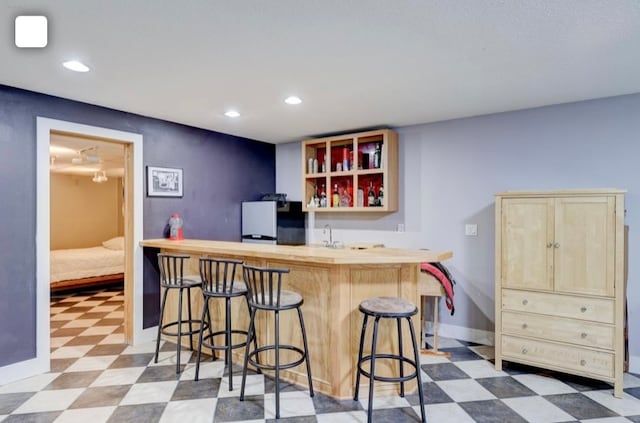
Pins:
<point x="184" y="322"/>
<point x="223" y="347"/>
<point x="264" y="366"/>
<point x="388" y="378"/>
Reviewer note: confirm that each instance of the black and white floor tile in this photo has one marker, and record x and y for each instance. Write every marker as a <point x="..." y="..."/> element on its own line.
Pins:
<point x="95" y="377"/>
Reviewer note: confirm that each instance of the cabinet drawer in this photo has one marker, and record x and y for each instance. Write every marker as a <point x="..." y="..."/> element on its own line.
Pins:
<point x="562" y="357"/>
<point x="593" y="309"/>
<point x="558" y="329"/>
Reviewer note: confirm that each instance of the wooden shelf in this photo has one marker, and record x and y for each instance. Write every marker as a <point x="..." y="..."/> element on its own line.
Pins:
<point x="359" y="153"/>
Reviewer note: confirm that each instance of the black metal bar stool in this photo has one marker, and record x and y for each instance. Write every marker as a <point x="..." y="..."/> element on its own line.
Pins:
<point x="218" y="281"/>
<point x="266" y="293"/>
<point x="172" y="277"/>
<point x="388" y="308"/>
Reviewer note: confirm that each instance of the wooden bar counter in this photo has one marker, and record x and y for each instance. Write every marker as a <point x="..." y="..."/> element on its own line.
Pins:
<point x="332" y="282"/>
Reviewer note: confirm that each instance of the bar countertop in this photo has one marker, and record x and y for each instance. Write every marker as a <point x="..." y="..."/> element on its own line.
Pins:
<point x="302" y="253"/>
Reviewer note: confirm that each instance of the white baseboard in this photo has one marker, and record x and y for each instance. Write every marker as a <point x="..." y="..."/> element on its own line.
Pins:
<point x="466" y="334"/>
<point x="23" y="370"/>
<point x="146" y="335"/>
<point x="634" y="364"/>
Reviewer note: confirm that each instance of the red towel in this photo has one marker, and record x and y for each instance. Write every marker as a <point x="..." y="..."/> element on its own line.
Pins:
<point x="445" y="281"/>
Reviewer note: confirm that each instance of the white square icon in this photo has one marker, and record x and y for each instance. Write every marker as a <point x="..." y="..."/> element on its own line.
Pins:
<point x="31" y="31"/>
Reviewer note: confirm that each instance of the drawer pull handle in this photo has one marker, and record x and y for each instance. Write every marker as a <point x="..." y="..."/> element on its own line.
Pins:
<point x="549" y="244"/>
<point x="525" y="302"/>
<point x="524" y="326"/>
<point x="583" y="362"/>
<point x="557" y="245"/>
<point x="583" y="309"/>
<point x="524" y="351"/>
<point x="583" y="335"/>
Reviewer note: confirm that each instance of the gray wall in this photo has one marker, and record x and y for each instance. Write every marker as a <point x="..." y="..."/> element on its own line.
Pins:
<point x="219" y="171"/>
<point x="449" y="172"/>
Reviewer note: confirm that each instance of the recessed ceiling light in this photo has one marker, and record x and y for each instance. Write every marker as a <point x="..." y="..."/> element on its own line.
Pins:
<point x="76" y="66"/>
<point x="232" y="114"/>
<point x="293" y="100"/>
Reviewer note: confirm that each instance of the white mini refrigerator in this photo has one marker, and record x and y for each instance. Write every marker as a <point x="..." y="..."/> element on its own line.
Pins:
<point x="273" y="222"/>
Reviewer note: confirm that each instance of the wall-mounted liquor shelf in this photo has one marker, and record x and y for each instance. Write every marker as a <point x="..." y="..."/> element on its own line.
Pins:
<point x="351" y="172"/>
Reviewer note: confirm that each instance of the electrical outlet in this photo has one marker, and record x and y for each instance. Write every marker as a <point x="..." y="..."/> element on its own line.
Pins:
<point x="400" y="227"/>
<point x="471" y="229"/>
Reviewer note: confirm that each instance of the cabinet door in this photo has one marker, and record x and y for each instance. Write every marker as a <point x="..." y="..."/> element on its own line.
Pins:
<point x="584" y="245"/>
<point x="527" y="230"/>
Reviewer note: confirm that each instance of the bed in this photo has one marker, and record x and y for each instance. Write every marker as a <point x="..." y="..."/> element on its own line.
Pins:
<point x="83" y="267"/>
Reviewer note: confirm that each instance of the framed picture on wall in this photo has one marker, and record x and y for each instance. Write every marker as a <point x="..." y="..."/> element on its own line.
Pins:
<point x="164" y="182"/>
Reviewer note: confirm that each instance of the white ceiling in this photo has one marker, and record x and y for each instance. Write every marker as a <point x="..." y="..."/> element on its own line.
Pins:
<point x="356" y="63"/>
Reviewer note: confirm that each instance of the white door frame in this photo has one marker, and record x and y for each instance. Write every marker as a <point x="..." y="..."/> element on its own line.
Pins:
<point x="41" y="363"/>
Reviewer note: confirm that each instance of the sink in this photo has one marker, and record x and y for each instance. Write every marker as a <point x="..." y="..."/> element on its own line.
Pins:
<point x="335" y="246"/>
<point x="364" y="245"/>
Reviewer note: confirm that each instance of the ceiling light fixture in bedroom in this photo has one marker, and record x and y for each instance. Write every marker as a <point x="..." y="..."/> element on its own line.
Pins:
<point x="86" y="156"/>
<point x="100" y="176"/>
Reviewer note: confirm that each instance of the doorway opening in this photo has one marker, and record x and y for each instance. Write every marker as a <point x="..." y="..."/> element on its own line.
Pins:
<point x="132" y="230"/>
<point x="87" y="239"/>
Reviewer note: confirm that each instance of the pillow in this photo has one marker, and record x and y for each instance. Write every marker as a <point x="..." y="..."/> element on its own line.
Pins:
<point x="116" y="243"/>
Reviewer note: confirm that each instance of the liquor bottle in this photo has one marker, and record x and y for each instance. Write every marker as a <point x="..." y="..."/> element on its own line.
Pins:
<point x="310" y="169"/>
<point x="381" y="196"/>
<point x="323" y="197"/>
<point x="377" y="157"/>
<point x="345" y="159"/>
<point x="324" y="164"/>
<point x="336" y="196"/>
<point x="316" y="197"/>
<point x="315" y="165"/>
<point x="360" y="200"/>
<point x="371" y="198"/>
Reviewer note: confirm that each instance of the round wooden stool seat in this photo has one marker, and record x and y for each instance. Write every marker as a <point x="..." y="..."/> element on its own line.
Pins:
<point x="388" y="307"/>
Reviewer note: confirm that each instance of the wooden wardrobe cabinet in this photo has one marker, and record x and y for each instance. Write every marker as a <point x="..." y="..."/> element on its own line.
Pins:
<point x="560" y="294"/>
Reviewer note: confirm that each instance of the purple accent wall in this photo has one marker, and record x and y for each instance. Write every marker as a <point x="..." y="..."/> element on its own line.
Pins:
<point x="219" y="172"/>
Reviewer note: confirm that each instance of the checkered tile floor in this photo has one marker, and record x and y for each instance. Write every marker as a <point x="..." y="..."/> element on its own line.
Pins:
<point x="97" y="378"/>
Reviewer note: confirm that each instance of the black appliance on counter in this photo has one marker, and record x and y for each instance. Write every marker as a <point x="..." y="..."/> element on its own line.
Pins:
<point x="274" y="220"/>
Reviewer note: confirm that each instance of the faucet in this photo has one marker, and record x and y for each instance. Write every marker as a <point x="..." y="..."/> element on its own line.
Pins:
<point x="331" y="243"/>
<point x="324" y="231"/>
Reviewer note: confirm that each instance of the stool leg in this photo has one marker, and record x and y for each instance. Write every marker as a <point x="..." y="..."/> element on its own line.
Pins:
<point x="190" y="318"/>
<point x="246" y="351"/>
<point x="205" y="311"/>
<point x="399" y="321"/>
<point x="255" y="338"/>
<point x="277" y="341"/>
<point x="227" y="340"/>
<point x="423" y="322"/>
<point x="164" y="301"/>
<point x="214" y="355"/>
<point x="306" y="351"/>
<point x="373" y="367"/>
<point x="362" y="333"/>
<point x="179" y="332"/>
<point x="416" y="355"/>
